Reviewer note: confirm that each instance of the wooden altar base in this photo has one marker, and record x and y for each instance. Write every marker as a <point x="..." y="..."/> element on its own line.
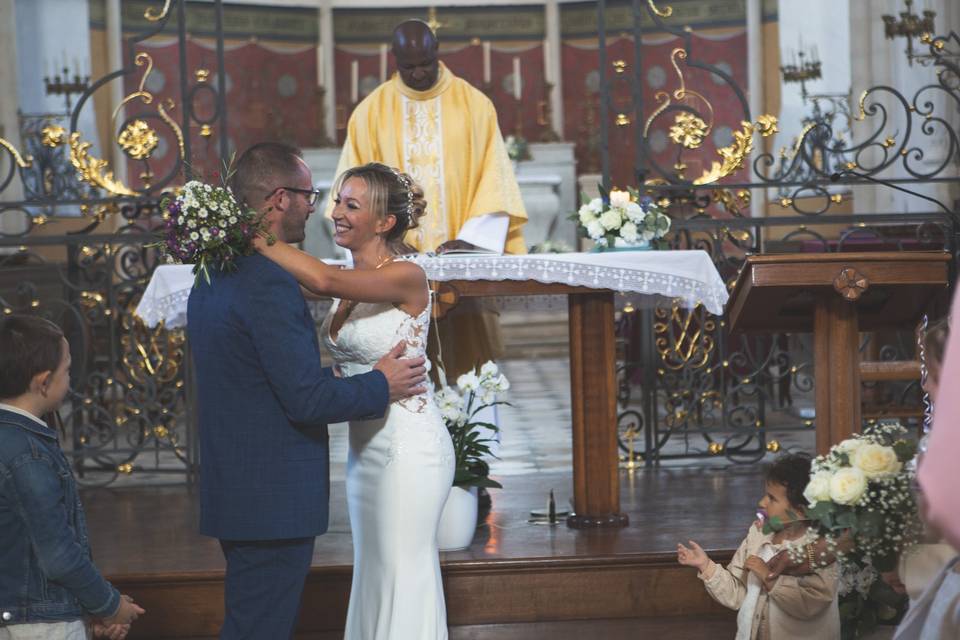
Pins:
<point x="518" y="580"/>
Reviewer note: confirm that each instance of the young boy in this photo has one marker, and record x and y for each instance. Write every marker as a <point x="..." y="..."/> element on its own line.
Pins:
<point x="773" y="608"/>
<point x="48" y="583"/>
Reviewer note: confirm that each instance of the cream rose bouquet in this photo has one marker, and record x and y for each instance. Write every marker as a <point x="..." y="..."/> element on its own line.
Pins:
<point x="622" y="219"/>
<point x="862" y="491"/>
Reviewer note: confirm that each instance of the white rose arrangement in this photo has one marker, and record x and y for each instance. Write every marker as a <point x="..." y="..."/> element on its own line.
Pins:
<point x="862" y="491"/>
<point x="476" y="390"/>
<point x="622" y="218"/>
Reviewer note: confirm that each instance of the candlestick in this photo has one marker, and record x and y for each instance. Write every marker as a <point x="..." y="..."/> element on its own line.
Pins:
<point x="383" y="63"/>
<point x="547" y="72"/>
<point x="486" y="63"/>
<point x="320" y="70"/>
<point x="516" y="78"/>
<point x="354" y="81"/>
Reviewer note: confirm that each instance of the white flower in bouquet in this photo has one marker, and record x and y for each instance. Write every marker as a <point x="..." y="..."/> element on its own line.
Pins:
<point x="587" y="214"/>
<point x="849" y="445"/>
<point x="635" y="212"/>
<point x="629" y="232"/>
<point x="595" y="230"/>
<point x="489" y="370"/>
<point x="818" y="488"/>
<point x="468" y="382"/>
<point x="619" y="199"/>
<point x="848" y="485"/>
<point x="611" y="219"/>
<point x="876" y="461"/>
<point x="450" y="403"/>
<point x="865" y="579"/>
<point x="501" y="383"/>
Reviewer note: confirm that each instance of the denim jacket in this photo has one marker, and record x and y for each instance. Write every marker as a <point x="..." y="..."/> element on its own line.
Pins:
<point x="46" y="572"/>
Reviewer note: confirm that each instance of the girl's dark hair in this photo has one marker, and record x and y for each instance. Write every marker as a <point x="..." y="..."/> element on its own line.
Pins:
<point x="791" y="470"/>
<point x="391" y="193"/>
<point x="28" y="345"/>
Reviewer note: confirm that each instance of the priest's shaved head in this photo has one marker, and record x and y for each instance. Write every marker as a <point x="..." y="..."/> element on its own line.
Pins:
<point x="416" y="49"/>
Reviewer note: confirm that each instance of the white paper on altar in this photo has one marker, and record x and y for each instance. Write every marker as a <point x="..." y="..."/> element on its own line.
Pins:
<point x="689" y="277"/>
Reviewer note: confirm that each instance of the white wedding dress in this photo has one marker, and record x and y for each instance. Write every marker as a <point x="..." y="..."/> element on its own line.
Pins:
<point x="399" y="473"/>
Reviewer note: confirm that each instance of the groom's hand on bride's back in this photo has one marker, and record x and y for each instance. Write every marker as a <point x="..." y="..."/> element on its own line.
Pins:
<point x="405" y="376"/>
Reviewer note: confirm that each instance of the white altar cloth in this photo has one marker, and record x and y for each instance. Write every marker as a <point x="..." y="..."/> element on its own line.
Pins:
<point x="689" y="277"/>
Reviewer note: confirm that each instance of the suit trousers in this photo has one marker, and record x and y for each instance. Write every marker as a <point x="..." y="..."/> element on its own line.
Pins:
<point x="263" y="587"/>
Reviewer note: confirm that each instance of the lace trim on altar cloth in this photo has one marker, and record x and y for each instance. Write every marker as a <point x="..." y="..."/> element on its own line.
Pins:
<point x="170" y="309"/>
<point x="688" y="289"/>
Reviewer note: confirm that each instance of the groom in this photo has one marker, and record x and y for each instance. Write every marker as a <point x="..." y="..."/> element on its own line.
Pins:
<point x="264" y="405"/>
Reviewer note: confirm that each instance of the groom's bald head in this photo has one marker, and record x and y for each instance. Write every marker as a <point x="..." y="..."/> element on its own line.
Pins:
<point x="416" y="50"/>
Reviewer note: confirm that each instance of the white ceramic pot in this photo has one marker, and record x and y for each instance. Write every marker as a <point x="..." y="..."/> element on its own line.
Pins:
<point x="458" y="521"/>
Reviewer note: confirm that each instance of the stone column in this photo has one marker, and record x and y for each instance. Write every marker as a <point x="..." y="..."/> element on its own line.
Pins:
<point x="553" y="73"/>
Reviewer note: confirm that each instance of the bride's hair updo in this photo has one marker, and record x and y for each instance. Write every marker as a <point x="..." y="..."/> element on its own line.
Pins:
<point x="390" y="193"/>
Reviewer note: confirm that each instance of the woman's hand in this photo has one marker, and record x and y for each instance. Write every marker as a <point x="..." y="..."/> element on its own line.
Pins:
<point x="758" y="567"/>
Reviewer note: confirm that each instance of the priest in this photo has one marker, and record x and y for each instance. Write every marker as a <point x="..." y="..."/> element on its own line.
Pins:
<point x="444" y="133"/>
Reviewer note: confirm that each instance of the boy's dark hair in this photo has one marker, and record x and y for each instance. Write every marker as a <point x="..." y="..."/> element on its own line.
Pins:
<point x="262" y="167"/>
<point x="792" y="470"/>
<point x="28" y="345"/>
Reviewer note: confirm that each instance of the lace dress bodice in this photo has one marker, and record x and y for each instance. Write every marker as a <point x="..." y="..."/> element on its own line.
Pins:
<point x="370" y="331"/>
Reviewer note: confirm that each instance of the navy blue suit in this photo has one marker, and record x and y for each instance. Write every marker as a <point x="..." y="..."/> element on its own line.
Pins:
<point x="264" y="404"/>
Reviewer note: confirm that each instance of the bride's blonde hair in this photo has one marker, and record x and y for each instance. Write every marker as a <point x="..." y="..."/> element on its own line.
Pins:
<point x="390" y="193"/>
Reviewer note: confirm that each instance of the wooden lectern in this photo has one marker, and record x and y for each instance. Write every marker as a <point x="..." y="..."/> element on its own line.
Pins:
<point x="836" y="295"/>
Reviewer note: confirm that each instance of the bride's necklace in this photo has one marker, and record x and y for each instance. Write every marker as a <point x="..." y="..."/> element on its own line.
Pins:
<point x="349" y="305"/>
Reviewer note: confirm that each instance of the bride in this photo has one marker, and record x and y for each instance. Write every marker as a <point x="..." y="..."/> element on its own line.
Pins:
<point x="400" y="467"/>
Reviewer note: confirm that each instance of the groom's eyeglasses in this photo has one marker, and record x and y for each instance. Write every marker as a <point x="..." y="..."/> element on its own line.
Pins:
<point x="312" y="194"/>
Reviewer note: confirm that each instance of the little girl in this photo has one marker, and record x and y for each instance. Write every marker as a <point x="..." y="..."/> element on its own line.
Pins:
<point x="773" y="607"/>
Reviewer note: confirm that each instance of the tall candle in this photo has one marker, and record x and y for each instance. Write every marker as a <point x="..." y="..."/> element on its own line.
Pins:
<point x="486" y="63"/>
<point x="355" y="82"/>
<point x="383" y="63"/>
<point x="516" y="78"/>
<point x="547" y="74"/>
<point x="320" y="69"/>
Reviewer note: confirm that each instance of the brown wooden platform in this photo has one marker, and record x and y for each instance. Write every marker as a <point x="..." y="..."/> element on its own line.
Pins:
<point x="516" y="575"/>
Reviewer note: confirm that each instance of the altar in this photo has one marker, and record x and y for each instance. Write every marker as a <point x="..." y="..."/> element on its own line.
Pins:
<point x="590" y="281"/>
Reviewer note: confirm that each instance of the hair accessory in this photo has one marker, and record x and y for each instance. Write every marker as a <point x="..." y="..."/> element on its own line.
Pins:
<point x="408" y="185"/>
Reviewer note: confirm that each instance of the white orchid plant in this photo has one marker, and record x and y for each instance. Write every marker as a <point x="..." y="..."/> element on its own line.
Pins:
<point x="476" y="390"/>
<point x="622" y="219"/>
<point x="862" y="491"/>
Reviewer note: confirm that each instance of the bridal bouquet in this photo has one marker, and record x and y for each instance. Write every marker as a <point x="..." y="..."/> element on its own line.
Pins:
<point x="622" y="219"/>
<point x="206" y="226"/>
<point x="476" y="390"/>
<point x="862" y="491"/>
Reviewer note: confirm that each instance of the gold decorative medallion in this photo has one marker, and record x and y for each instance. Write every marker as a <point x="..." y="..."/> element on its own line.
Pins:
<point x="53" y="135"/>
<point x="138" y="140"/>
<point x="688" y="130"/>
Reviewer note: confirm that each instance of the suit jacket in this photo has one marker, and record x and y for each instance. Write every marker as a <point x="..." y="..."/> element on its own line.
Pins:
<point x="264" y="404"/>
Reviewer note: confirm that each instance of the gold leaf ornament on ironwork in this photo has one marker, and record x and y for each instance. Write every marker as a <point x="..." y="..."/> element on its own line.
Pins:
<point x="733" y="156"/>
<point x="688" y="130"/>
<point x="666" y="12"/>
<point x="53" y="135"/>
<point x="24" y="162"/>
<point x="94" y="170"/>
<point x="138" y="140"/>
